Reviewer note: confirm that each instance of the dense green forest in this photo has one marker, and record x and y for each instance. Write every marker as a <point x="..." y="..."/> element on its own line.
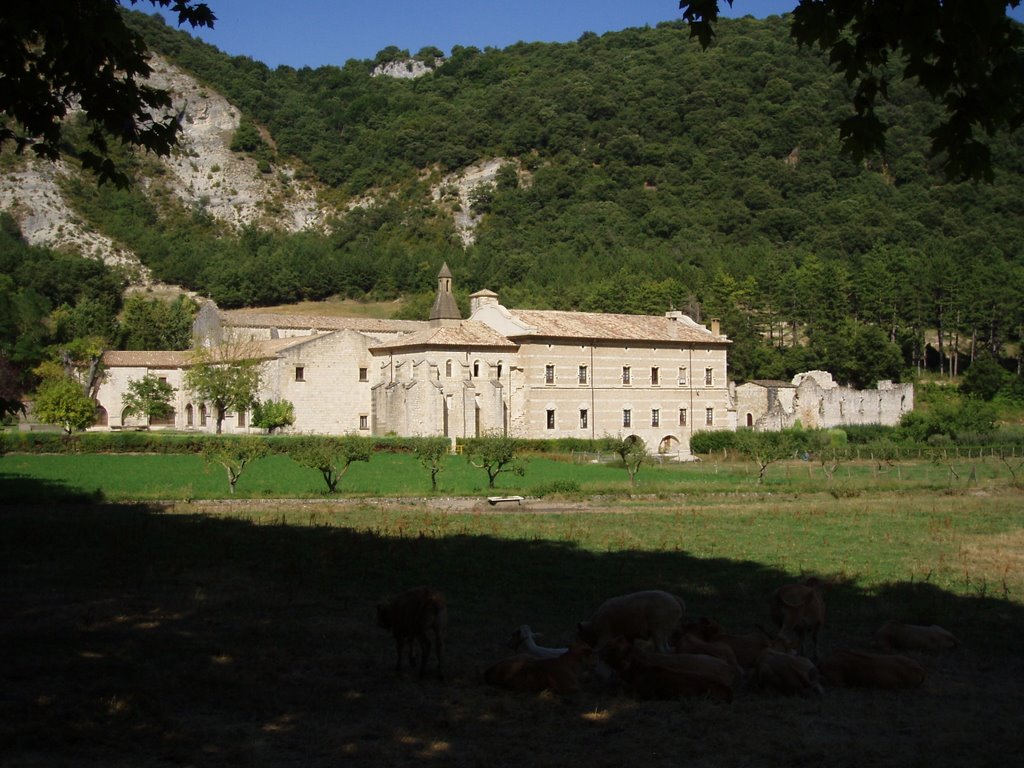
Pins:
<point x="642" y="174"/>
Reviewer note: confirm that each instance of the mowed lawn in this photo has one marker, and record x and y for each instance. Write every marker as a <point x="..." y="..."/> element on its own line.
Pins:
<point x="242" y="632"/>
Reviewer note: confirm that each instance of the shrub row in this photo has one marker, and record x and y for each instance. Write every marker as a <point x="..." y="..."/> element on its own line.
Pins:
<point x="854" y="441"/>
<point x="174" y="442"/>
<point x="885" y="445"/>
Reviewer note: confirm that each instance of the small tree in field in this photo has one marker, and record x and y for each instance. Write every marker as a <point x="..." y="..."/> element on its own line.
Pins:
<point x="829" y="449"/>
<point x="234" y="454"/>
<point x="764" y="448"/>
<point x="633" y="452"/>
<point x="432" y="452"/>
<point x="495" y="454"/>
<point x="331" y="456"/>
<point x="61" y="401"/>
<point x="273" y="414"/>
<point x="148" y="397"/>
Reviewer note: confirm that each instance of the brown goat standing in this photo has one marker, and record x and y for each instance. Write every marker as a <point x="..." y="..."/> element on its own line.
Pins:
<point x="799" y="611"/>
<point x="414" y="615"/>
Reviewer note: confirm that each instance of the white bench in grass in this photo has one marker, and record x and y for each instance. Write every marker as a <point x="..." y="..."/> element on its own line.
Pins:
<point x="492" y="500"/>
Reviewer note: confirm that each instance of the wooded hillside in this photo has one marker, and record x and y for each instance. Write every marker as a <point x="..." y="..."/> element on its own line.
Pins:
<point x="641" y="174"/>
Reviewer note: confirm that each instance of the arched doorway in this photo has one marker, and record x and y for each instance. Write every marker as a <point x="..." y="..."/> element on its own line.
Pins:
<point x="669" y="444"/>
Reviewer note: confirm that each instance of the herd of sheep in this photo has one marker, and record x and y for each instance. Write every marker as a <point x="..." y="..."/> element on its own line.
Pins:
<point x="643" y="643"/>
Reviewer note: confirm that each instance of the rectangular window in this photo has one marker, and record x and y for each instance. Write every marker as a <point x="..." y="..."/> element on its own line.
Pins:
<point x="364" y="374"/>
<point x="654" y="376"/>
<point x="583" y="418"/>
<point x="583" y="374"/>
<point x="549" y="374"/>
<point x="627" y="417"/>
<point x="364" y="422"/>
<point x="682" y="417"/>
<point x="682" y="375"/>
<point x="551" y="418"/>
<point x="655" y="417"/>
<point x="241" y="418"/>
<point x="300" y="373"/>
<point x="709" y="416"/>
<point x="625" y="374"/>
<point x="709" y="376"/>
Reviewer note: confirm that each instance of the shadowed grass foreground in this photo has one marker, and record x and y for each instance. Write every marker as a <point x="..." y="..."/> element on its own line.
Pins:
<point x="243" y="634"/>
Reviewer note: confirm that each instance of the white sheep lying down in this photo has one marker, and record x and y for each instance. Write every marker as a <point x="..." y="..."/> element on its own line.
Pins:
<point x="651" y="614"/>
<point x="524" y="639"/>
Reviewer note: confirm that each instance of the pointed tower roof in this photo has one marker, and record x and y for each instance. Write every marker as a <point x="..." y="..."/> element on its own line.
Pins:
<point x="445" y="308"/>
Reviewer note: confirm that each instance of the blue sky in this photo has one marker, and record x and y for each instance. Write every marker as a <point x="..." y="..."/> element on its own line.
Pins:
<point x="316" y="32"/>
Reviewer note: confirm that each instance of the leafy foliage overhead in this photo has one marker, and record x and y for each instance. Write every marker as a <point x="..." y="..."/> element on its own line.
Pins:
<point x="967" y="54"/>
<point x="66" y="52"/>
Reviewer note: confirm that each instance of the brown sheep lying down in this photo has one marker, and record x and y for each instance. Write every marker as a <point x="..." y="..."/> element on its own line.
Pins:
<point x="897" y="636"/>
<point x="529" y="674"/>
<point x="787" y="673"/>
<point x="859" y="669"/>
<point x="416" y="615"/>
<point x="650" y="675"/>
<point x="652" y="614"/>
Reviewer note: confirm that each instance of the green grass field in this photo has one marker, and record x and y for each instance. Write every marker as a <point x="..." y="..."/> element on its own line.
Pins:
<point x="183" y="477"/>
<point x="241" y="632"/>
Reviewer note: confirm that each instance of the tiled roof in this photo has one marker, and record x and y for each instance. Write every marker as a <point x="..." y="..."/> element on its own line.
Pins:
<point x="255" y="319"/>
<point x="468" y="333"/>
<point x="595" y="325"/>
<point x="146" y="359"/>
<point x="249" y="350"/>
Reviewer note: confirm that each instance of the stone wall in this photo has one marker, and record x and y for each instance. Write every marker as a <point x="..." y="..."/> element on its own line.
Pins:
<point x="815" y="401"/>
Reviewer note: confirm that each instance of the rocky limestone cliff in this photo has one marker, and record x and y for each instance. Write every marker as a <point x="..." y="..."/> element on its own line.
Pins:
<point x="32" y="195"/>
<point x="202" y="173"/>
<point x="409" y="69"/>
<point x="229" y="185"/>
<point x="456" y="190"/>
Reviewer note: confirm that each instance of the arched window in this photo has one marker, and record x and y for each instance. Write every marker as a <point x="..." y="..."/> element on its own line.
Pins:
<point x="188" y="415"/>
<point x="202" y="415"/>
<point x="163" y="421"/>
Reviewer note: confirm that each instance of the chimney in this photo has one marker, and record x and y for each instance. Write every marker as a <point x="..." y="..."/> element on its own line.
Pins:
<point x="480" y="299"/>
<point x="716" y="327"/>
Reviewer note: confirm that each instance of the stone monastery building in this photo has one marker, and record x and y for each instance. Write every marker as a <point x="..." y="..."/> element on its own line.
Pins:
<point x="523" y="373"/>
